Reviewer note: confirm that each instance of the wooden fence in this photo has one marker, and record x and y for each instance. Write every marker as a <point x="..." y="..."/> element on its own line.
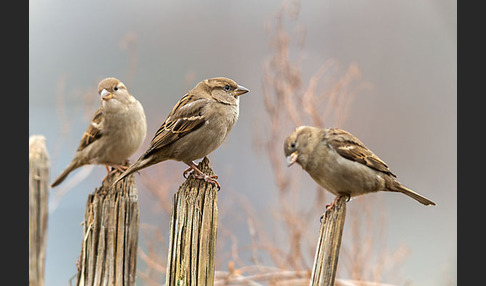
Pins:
<point x="110" y="237"/>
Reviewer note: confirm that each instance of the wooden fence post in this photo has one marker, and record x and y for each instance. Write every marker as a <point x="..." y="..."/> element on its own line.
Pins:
<point x="110" y="237"/>
<point x="193" y="228"/>
<point x="327" y="251"/>
<point x="38" y="207"/>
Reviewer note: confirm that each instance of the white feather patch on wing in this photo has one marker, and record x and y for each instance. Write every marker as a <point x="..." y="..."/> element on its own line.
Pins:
<point x="96" y="125"/>
<point x="347" y="147"/>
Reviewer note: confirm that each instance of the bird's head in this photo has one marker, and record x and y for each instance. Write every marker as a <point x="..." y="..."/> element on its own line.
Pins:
<point x="297" y="145"/>
<point x="113" y="92"/>
<point x="223" y="89"/>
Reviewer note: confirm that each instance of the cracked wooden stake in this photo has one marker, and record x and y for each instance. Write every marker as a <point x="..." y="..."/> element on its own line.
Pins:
<point x="193" y="226"/>
<point x="110" y="237"/>
<point x="328" y="245"/>
<point x="38" y="208"/>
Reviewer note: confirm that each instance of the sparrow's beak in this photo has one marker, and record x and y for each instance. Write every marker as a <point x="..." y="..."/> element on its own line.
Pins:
<point x="241" y="90"/>
<point x="106" y="95"/>
<point x="292" y="158"/>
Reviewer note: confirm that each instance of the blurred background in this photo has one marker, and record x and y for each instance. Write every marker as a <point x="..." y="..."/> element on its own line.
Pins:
<point x="384" y="70"/>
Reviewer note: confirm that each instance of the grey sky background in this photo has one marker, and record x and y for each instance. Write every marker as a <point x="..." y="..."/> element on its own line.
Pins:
<point x="406" y="50"/>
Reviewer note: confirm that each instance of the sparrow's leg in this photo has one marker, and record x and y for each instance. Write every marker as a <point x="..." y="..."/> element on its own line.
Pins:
<point x="200" y="175"/>
<point x="119" y="168"/>
<point x="333" y="204"/>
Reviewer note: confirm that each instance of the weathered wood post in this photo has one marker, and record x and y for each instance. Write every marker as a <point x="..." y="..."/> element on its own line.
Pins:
<point x="110" y="237"/>
<point x="193" y="227"/>
<point x="38" y="207"/>
<point x="327" y="251"/>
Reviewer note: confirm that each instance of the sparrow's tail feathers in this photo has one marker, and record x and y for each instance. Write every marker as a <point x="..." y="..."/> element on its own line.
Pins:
<point x="71" y="167"/>
<point x="421" y="199"/>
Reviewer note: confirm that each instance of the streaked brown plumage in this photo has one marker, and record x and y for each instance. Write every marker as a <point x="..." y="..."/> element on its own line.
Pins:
<point x="342" y="164"/>
<point x="116" y="131"/>
<point x="195" y="127"/>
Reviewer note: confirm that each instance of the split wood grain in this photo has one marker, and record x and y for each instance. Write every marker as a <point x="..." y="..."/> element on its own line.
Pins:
<point x="328" y="245"/>
<point x="38" y="208"/>
<point x="110" y="237"/>
<point x="193" y="228"/>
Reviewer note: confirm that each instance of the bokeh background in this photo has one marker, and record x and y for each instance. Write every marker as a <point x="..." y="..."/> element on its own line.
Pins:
<point x="406" y="52"/>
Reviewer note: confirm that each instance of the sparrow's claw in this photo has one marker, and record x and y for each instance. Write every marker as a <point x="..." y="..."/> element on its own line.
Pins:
<point x="334" y="202"/>
<point x="119" y="168"/>
<point x="115" y="168"/>
<point x="210" y="179"/>
<point x="348" y="198"/>
<point x="198" y="174"/>
<point x="185" y="172"/>
<point x="213" y="179"/>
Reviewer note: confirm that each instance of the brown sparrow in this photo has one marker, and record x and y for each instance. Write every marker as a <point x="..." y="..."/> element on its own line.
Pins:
<point x="117" y="130"/>
<point x="342" y="164"/>
<point x="195" y="127"/>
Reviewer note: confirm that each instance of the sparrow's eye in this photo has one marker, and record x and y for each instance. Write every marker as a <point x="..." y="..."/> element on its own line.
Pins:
<point x="115" y="88"/>
<point x="292" y="145"/>
<point x="226" y="87"/>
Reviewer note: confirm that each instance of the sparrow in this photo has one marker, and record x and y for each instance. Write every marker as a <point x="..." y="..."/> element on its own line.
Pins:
<point x="196" y="126"/>
<point x="116" y="131"/>
<point x="342" y="164"/>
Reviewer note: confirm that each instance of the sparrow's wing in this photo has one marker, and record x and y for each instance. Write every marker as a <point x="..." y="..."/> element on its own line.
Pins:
<point x="93" y="132"/>
<point x="186" y="117"/>
<point x="351" y="148"/>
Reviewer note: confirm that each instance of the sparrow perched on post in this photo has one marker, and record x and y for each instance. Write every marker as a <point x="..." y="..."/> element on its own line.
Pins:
<point x="117" y="130"/>
<point x="195" y="127"/>
<point x="342" y="164"/>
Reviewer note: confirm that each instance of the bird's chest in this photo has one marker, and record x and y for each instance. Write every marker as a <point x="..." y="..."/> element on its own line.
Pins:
<point x="120" y="125"/>
<point x="125" y="133"/>
<point x="220" y="123"/>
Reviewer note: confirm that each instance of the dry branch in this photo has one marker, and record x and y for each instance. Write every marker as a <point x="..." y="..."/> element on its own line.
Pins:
<point x="193" y="232"/>
<point x="38" y="207"/>
<point x="110" y="237"/>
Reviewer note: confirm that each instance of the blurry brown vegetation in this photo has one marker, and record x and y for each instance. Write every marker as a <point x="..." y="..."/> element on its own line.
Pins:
<point x="323" y="100"/>
<point x="281" y="253"/>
